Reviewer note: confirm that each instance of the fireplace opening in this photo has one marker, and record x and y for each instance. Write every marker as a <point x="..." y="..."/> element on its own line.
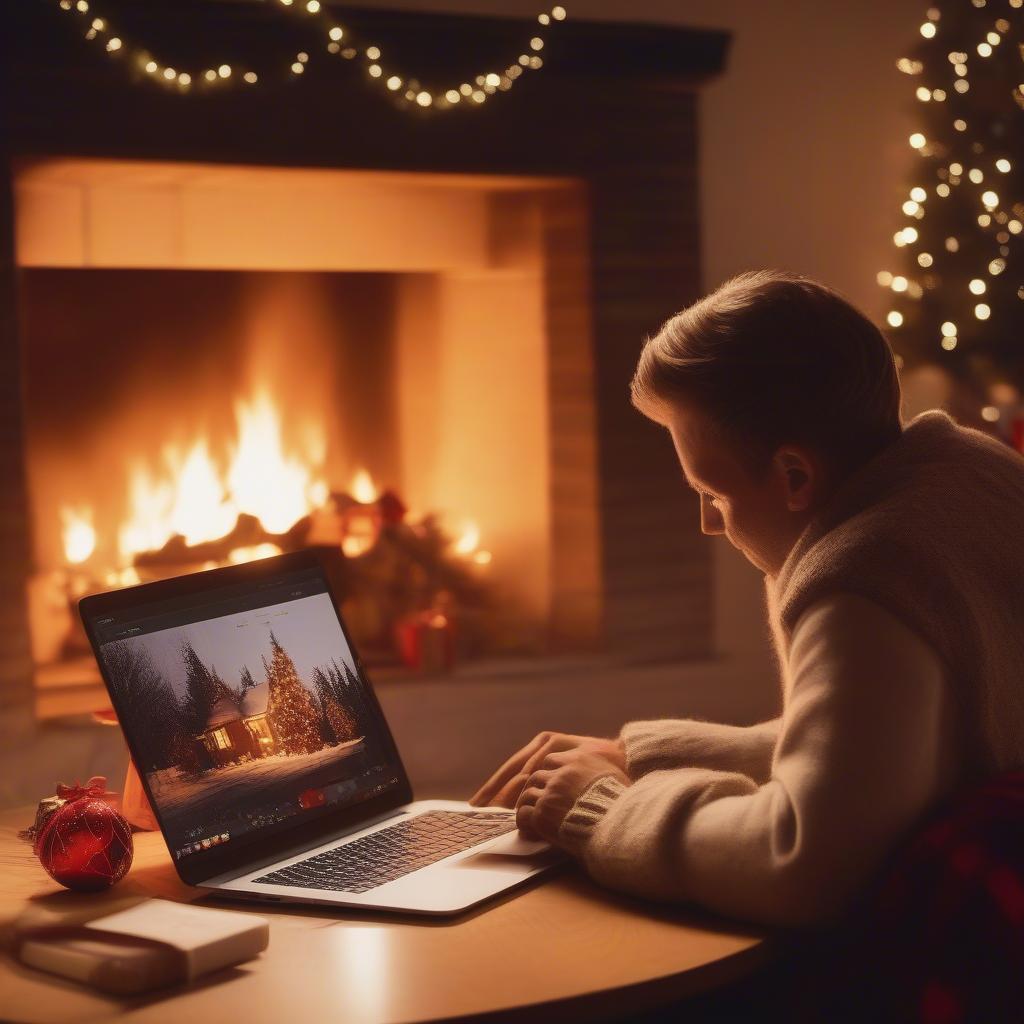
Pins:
<point x="222" y="362"/>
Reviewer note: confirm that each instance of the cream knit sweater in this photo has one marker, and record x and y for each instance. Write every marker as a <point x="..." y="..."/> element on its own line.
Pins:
<point x="898" y="621"/>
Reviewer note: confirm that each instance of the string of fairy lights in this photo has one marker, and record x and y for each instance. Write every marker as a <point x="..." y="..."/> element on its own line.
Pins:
<point x="406" y="90"/>
<point x="997" y="215"/>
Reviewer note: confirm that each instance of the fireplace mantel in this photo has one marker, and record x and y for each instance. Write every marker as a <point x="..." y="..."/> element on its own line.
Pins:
<point x="615" y="107"/>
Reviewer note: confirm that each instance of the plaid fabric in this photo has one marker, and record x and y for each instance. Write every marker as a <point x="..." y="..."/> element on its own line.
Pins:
<point x="939" y="939"/>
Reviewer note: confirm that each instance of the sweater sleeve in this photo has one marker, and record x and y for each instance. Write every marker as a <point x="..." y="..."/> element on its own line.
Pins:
<point x="861" y="755"/>
<point x="689" y="743"/>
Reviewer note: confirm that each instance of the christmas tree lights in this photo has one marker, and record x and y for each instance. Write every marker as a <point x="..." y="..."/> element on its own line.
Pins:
<point x="957" y="286"/>
<point x="290" y="707"/>
<point x="407" y="91"/>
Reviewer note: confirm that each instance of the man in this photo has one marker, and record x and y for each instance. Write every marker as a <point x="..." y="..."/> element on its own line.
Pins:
<point x="893" y="563"/>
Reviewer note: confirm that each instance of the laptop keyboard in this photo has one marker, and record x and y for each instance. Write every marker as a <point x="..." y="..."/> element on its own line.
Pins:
<point x="392" y="852"/>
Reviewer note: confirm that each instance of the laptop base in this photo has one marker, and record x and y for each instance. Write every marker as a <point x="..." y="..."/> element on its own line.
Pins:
<point x="451" y="886"/>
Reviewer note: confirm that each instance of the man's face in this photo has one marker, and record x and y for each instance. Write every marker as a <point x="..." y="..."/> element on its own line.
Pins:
<point x="755" y="515"/>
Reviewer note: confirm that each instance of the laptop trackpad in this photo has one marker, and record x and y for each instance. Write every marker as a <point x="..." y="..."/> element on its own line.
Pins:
<point x="512" y="853"/>
<point x="513" y="844"/>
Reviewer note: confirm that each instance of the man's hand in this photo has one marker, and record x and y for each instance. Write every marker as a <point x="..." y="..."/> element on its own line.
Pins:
<point x="505" y="786"/>
<point x="552" y="790"/>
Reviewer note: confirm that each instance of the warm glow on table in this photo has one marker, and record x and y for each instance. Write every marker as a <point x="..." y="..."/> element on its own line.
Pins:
<point x="563" y="939"/>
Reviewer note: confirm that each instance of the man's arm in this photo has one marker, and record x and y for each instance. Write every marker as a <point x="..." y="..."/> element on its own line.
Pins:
<point x="642" y="747"/>
<point x="862" y="753"/>
<point x="689" y="743"/>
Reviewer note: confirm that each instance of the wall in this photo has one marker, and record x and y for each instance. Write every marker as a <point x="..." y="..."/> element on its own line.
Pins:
<point x="802" y="156"/>
<point x="803" y="161"/>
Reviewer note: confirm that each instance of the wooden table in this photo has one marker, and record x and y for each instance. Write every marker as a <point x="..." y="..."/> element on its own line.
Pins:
<point x="561" y="949"/>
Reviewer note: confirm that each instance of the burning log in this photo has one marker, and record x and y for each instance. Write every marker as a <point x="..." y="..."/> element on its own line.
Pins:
<point x="391" y="576"/>
<point x="248" y="532"/>
<point x="410" y="571"/>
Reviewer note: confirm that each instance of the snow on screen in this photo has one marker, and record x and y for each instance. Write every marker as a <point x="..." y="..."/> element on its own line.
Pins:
<point x="245" y="720"/>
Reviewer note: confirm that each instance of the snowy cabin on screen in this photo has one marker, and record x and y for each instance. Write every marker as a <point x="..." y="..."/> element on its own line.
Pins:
<point x="277" y="716"/>
<point x="234" y="730"/>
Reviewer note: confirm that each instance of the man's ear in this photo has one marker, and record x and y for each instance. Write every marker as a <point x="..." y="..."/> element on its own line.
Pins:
<point x="801" y="473"/>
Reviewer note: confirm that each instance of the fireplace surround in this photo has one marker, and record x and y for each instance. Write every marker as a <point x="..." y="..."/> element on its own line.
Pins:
<point x="599" y="149"/>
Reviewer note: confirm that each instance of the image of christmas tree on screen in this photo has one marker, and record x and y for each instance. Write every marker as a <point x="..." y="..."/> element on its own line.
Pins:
<point x="245" y="719"/>
<point x="956" y="311"/>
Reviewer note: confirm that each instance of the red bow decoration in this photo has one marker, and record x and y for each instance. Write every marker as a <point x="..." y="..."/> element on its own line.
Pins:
<point x="96" y="786"/>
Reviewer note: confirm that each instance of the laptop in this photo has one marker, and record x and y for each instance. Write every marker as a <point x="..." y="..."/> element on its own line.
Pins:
<point x="266" y="757"/>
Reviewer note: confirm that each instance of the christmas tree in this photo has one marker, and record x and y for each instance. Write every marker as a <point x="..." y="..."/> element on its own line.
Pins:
<point x="246" y="682"/>
<point x="331" y="698"/>
<point x="145" y="701"/>
<point x="957" y="281"/>
<point x="203" y="689"/>
<point x="290" y="707"/>
<point x="343" y="725"/>
<point x="357" y="698"/>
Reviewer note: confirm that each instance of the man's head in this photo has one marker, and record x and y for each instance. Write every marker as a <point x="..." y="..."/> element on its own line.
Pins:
<point x="774" y="389"/>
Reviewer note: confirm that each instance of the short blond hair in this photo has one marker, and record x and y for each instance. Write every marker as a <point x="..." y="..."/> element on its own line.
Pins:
<point x="773" y="358"/>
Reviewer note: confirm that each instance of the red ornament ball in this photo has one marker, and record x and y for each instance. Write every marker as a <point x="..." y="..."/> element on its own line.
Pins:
<point x="85" y="845"/>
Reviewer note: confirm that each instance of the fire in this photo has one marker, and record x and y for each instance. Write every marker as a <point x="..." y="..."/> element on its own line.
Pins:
<point x="194" y="495"/>
<point x="363" y="488"/>
<point x="253" y="554"/>
<point x="148" y="526"/>
<point x="201" y="509"/>
<point x="262" y="479"/>
<point x="469" y="540"/>
<point x="191" y="502"/>
<point x="319" y="492"/>
<point x="79" y="534"/>
<point x="361" y="523"/>
<point x="123" y="577"/>
<point x="197" y="499"/>
<point x="355" y="544"/>
<point x="468" y="545"/>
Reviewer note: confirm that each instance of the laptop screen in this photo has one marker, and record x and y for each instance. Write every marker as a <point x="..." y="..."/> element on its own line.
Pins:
<point x="245" y="709"/>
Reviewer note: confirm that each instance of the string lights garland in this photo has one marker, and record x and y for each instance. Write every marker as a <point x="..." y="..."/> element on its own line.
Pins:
<point x="407" y="91"/>
<point x="962" y="239"/>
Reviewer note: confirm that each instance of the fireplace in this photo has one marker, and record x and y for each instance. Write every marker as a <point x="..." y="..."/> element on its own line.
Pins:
<point x="230" y="337"/>
<point x="251" y="341"/>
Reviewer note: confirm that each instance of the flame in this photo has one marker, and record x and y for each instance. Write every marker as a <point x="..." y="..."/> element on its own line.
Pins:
<point x="353" y="545"/>
<point x="318" y="493"/>
<point x="468" y="541"/>
<point x="148" y="527"/>
<point x="468" y="545"/>
<point x="201" y="510"/>
<point x="79" y="534"/>
<point x="123" y="577"/>
<point x="193" y="495"/>
<point x="192" y="503"/>
<point x="194" y="498"/>
<point x="253" y="554"/>
<point x="261" y="479"/>
<point x="361" y="522"/>
<point x="363" y="488"/>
